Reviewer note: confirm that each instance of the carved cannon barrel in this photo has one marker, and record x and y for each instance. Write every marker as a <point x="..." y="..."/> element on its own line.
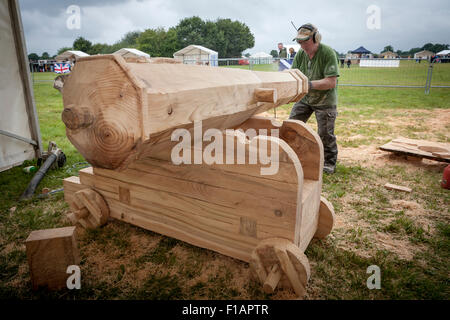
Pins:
<point x="116" y="110"/>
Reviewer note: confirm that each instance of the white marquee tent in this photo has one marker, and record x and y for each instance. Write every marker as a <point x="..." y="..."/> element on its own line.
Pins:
<point x="443" y="53"/>
<point x="71" y="55"/>
<point x="261" y="58"/>
<point x="20" y="137"/>
<point x="132" y="53"/>
<point x="195" y="54"/>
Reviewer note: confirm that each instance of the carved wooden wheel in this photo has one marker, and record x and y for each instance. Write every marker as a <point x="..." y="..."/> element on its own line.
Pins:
<point x="90" y="209"/>
<point x="326" y="219"/>
<point x="278" y="261"/>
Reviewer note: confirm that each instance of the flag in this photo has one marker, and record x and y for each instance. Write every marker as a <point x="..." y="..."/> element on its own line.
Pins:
<point x="61" y="68"/>
<point x="285" y="64"/>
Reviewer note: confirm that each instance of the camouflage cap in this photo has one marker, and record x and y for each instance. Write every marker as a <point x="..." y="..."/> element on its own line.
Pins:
<point x="305" y="32"/>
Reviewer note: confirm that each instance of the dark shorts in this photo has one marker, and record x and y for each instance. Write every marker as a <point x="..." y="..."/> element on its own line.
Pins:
<point x="326" y="118"/>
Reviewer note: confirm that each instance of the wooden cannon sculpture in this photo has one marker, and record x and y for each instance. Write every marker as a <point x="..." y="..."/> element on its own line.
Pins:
<point x="121" y="116"/>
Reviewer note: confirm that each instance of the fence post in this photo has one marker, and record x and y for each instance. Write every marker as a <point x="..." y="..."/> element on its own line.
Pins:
<point x="429" y="76"/>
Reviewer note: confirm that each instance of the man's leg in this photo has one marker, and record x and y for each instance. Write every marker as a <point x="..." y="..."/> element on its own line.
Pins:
<point x="326" y="118"/>
<point x="301" y="111"/>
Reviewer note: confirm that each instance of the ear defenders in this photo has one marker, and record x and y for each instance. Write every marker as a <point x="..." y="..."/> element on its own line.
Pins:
<point x="317" y="37"/>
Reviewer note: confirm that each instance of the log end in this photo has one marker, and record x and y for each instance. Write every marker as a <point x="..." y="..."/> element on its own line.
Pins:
<point x="76" y="118"/>
<point x="266" y="95"/>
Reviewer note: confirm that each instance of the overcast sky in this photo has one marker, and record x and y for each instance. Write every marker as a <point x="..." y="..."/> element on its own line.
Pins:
<point x="404" y="24"/>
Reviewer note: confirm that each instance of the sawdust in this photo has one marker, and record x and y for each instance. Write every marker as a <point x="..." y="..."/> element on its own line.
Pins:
<point x="372" y="157"/>
<point x="402" y="248"/>
<point x="278" y="113"/>
<point x="417" y="213"/>
<point x="105" y="261"/>
<point x="440" y="121"/>
<point x="372" y="240"/>
<point x="355" y="137"/>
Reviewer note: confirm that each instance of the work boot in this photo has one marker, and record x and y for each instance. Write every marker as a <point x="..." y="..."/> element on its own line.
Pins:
<point x="329" y="169"/>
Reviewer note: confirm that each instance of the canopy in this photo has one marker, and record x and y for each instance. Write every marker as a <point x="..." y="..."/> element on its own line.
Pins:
<point x="443" y="53"/>
<point x="194" y="50"/>
<point x="261" y="55"/>
<point x="195" y="54"/>
<point x="361" y="50"/>
<point x="20" y="137"/>
<point x="71" y="55"/>
<point x="131" y="52"/>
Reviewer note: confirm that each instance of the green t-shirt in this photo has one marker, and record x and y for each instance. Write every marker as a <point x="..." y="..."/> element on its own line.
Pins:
<point x="324" y="64"/>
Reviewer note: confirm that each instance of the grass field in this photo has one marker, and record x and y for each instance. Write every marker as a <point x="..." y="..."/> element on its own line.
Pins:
<point x="409" y="73"/>
<point x="406" y="235"/>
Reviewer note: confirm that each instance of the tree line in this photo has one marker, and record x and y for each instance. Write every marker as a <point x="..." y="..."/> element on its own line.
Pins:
<point x="229" y="38"/>
<point x="435" y="48"/>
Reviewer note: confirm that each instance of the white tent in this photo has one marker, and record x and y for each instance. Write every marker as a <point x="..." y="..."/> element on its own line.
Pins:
<point x="443" y="53"/>
<point x="261" y="58"/>
<point x="424" y="54"/>
<point x="195" y="54"/>
<point x="132" y="53"/>
<point x="71" y="55"/>
<point x="20" y="137"/>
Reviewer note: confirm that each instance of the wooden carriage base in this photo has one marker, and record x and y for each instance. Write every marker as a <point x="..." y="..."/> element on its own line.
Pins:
<point x="265" y="220"/>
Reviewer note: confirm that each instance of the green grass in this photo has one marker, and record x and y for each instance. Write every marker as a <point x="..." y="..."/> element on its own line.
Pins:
<point x="409" y="73"/>
<point x="120" y="261"/>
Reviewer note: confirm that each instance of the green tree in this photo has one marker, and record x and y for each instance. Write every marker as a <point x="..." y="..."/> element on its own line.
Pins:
<point x="45" y="56"/>
<point x="428" y="46"/>
<point x="191" y="31"/>
<point x="170" y="45"/>
<point x="213" y="38"/>
<point x="229" y="38"/>
<point x="400" y="53"/>
<point x="274" y="53"/>
<point x="388" y="48"/>
<point x="64" y="49"/>
<point x="237" y="38"/>
<point x="129" y="40"/>
<point x="439" y="47"/>
<point x="435" y="47"/>
<point x="33" y="56"/>
<point x="158" y="42"/>
<point x="99" y="48"/>
<point x="81" y="44"/>
<point x="412" y="51"/>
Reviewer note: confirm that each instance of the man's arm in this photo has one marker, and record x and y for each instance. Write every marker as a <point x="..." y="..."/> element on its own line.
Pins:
<point x="323" y="84"/>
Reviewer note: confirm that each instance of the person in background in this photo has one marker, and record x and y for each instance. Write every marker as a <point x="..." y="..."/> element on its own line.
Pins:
<point x="282" y="54"/>
<point x="292" y="53"/>
<point x="349" y="62"/>
<point x="320" y="64"/>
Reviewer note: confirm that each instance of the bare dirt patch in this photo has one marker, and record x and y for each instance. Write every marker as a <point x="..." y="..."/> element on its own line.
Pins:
<point x="440" y="121"/>
<point x="402" y="248"/>
<point x="416" y="212"/>
<point x="372" y="156"/>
